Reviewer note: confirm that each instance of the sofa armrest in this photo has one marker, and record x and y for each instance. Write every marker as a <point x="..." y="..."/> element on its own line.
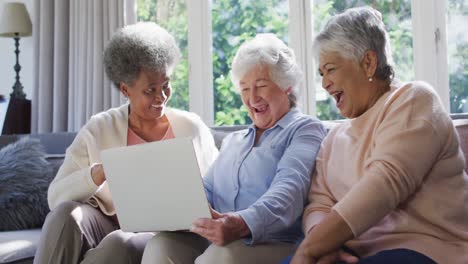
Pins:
<point x="18" y="245"/>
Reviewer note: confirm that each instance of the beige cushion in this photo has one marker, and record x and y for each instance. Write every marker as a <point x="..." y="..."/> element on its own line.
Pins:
<point x="462" y="129"/>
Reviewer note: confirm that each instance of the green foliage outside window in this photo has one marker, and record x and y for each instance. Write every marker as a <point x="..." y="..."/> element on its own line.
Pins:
<point x="235" y="21"/>
<point x="458" y="55"/>
<point x="171" y="15"/>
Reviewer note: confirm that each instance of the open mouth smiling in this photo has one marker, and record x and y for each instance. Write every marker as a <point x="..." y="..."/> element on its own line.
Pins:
<point x="338" y="96"/>
<point x="260" y="109"/>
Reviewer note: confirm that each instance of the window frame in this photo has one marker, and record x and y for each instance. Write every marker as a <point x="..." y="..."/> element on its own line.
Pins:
<point x="429" y="46"/>
<point x="200" y="59"/>
<point x="430" y="43"/>
<point x="301" y="37"/>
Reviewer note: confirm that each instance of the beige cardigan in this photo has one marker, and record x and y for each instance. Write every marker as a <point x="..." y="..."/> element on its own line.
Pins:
<point x="395" y="174"/>
<point x="109" y="130"/>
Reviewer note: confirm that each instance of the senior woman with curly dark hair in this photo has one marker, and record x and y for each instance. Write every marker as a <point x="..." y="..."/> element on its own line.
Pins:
<point x="389" y="185"/>
<point x="82" y="226"/>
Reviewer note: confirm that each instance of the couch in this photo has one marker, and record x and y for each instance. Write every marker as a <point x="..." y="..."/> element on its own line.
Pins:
<point x="18" y="247"/>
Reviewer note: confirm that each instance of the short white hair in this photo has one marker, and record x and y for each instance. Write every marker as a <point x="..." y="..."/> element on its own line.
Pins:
<point x="267" y="49"/>
<point x="352" y="33"/>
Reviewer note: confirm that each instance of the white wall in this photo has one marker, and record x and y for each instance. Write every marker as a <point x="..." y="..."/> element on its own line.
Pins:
<point x="8" y="57"/>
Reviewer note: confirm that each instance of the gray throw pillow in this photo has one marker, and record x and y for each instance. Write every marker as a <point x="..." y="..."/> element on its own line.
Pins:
<point x="24" y="178"/>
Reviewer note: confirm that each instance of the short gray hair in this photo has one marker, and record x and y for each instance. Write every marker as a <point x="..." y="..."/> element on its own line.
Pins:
<point x="267" y="49"/>
<point x="137" y="47"/>
<point x="352" y="33"/>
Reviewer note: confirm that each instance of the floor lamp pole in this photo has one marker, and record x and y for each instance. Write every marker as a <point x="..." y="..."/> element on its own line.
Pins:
<point x="17" y="87"/>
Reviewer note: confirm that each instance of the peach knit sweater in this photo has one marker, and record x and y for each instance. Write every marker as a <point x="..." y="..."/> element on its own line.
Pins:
<point x="396" y="176"/>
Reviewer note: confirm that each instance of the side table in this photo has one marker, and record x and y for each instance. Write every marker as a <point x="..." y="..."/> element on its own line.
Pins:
<point x="18" y="117"/>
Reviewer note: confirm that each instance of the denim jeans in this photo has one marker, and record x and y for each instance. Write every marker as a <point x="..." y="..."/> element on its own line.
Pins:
<point x="400" y="256"/>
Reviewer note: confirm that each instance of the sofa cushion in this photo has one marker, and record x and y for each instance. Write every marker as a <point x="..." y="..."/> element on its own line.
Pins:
<point x="55" y="161"/>
<point x="18" y="245"/>
<point x="7" y="139"/>
<point x="54" y="143"/>
<point x="462" y="130"/>
<point x="220" y="132"/>
<point x="24" y="178"/>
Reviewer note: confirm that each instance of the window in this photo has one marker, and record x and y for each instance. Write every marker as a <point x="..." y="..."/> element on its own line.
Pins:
<point x="171" y="15"/>
<point x="428" y="38"/>
<point x="457" y="35"/>
<point x="234" y="22"/>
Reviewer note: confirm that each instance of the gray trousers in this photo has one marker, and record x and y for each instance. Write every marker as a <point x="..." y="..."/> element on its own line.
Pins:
<point x="189" y="248"/>
<point x="79" y="233"/>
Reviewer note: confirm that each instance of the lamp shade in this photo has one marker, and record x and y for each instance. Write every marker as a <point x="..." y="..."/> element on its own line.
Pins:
<point x="15" y="20"/>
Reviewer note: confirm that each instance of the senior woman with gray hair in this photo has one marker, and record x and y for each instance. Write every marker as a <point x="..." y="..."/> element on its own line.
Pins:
<point x="258" y="185"/>
<point x="389" y="185"/>
<point x="82" y="226"/>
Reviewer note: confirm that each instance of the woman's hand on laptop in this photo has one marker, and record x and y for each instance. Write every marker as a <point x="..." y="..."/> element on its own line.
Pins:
<point x="97" y="173"/>
<point x="222" y="229"/>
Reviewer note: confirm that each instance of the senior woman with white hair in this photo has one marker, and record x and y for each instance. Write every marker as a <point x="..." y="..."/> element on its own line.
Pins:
<point x="389" y="185"/>
<point x="82" y="226"/>
<point x="258" y="185"/>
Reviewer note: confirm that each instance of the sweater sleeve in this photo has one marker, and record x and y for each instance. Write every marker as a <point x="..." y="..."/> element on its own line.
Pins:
<point x="207" y="154"/>
<point x="73" y="181"/>
<point x="320" y="197"/>
<point x="206" y="145"/>
<point x="406" y="145"/>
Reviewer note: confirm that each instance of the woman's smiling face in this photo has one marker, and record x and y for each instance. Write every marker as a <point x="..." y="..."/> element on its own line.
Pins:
<point x="149" y="94"/>
<point x="265" y="100"/>
<point x="347" y="82"/>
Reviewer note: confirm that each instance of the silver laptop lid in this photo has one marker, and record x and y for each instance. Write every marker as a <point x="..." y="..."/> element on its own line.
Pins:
<point x="156" y="186"/>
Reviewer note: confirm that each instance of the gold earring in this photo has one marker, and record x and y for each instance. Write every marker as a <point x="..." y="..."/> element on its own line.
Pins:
<point x="370" y="79"/>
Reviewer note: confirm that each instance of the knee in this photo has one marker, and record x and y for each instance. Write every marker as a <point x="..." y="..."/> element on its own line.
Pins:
<point x="60" y="230"/>
<point x="160" y="248"/>
<point x="117" y="242"/>
<point x="124" y="245"/>
<point x="217" y="254"/>
<point x="65" y="213"/>
<point x="160" y="243"/>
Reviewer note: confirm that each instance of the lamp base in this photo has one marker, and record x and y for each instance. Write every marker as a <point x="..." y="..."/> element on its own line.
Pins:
<point x="18" y="91"/>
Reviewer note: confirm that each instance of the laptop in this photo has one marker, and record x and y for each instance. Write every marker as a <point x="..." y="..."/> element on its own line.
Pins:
<point x="156" y="186"/>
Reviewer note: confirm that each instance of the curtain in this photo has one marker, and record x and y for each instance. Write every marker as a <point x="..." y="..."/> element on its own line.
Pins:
<point x="69" y="83"/>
